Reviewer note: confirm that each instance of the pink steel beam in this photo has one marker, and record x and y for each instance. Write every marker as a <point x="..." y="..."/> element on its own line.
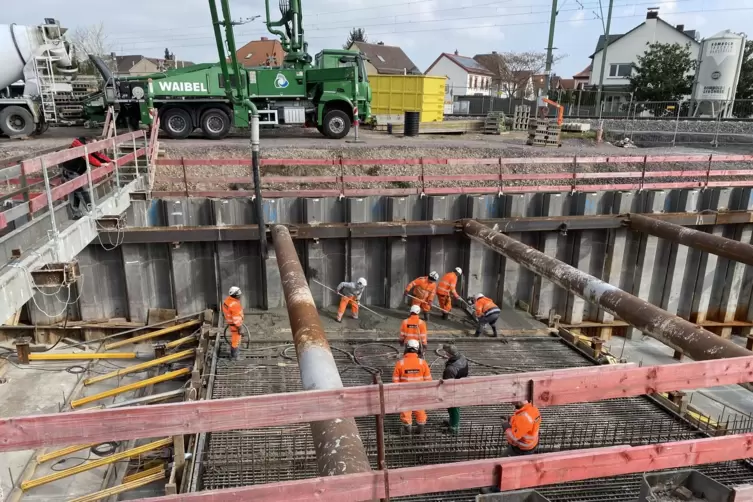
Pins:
<point x="508" y="473"/>
<point x="550" y="388"/>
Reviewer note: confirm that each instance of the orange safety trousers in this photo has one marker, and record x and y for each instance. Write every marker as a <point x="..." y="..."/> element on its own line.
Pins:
<point x="411" y="369"/>
<point x="423" y="290"/>
<point x="445" y="302"/>
<point x="344" y="301"/>
<point x="233" y="312"/>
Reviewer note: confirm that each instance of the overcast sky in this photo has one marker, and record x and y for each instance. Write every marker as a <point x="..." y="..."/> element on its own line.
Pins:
<point x="423" y="28"/>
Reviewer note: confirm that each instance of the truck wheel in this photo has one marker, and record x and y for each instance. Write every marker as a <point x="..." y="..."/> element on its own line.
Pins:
<point x="336" y="124"/>
<point x="16" y="122"/>
<point x="177" y="123"/>
<point x="215" y="123"/>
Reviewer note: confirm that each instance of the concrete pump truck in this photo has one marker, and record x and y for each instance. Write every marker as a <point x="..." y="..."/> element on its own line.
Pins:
<point x="214" y="97"/>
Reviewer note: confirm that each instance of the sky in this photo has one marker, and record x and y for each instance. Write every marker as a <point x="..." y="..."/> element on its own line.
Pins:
<point x="423" y="28"/>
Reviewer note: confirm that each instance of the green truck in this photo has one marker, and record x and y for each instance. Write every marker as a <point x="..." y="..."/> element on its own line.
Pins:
<point x="324" y="93"/>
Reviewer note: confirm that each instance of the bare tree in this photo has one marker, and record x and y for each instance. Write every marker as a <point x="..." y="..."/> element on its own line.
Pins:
<point x="514" y="70"/>
<point x="90" y="40"/>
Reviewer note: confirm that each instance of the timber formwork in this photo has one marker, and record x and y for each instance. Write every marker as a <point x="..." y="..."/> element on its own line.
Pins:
<point x="245" y="457"/>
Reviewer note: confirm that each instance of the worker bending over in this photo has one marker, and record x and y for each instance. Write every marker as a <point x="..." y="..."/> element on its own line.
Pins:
<point x="411" y="368"/>
<point x="487" y="312"/>
<point x="232" y="310"/>
<point x="80" y="199"/>
<point x="413" y="328"/>
<point x="446" y="287"/>
<point x="423" y="290"/>
<point x="522" y="429"/>
<point x="455" y="368"/>
<point x="351" y="295"/>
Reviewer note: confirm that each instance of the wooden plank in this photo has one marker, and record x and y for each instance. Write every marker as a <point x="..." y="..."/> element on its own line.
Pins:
<point x="517" y="473"/>
<point x="557" y="387"/>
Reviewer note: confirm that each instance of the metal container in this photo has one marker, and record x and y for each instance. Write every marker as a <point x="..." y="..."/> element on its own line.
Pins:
<point x="516" y="496"/>
<point x="395" y="94"/>
<point x="412" y="122"/>
<point x="655" y="486"/>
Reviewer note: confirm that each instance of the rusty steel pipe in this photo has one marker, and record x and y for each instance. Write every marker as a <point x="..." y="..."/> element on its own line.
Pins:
<point x="714" y="244"/>
<point x="694" y="341"/>
<point x="338" y="445"/>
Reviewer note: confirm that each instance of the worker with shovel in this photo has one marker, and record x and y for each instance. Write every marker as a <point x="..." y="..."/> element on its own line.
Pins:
<point x="447" y="289"/>
<point x="414" y="328"/>
<point x="350" y="294"/>
<point x="422" y="291"/>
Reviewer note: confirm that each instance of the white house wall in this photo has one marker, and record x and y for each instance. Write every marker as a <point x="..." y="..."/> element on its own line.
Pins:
<point x="628" y="48"/>
<point x="457" y="78"/>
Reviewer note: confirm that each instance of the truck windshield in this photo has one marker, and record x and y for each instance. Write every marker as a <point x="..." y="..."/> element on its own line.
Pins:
<point x="363" y="77"/>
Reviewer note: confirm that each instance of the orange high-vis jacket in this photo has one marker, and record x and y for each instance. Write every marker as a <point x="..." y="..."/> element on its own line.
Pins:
<point x="422" y="288"/>
<point x="484" y="305"/>
<point x="524" y="428"/>
<point x="411" y="369"/>
<point x="413" y="328"/>
<point x="233" y="312"/>
<point x="447" y="285"/>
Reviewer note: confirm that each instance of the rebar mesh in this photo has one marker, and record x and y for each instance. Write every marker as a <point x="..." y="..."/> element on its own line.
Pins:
<point x="238" y="458"/>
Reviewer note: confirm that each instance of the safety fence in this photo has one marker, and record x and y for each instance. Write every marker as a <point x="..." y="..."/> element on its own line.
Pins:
<point x="544" y="388"/>
<point x="499" y="176"/>
<point x="42" y="185"/>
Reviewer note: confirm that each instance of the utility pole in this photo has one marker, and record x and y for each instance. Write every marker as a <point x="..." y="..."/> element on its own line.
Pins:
<point x="604" y="56"/>
<point x="550" y="48"/>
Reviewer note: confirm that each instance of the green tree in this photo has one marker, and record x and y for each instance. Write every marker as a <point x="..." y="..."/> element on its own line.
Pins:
<point x="662" y="73"/>
<point x="745" y="85"/>
<point x="355" y="35"/>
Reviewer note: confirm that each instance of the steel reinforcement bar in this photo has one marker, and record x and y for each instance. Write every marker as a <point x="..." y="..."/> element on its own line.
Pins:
<point x="507" y="473"/>
<point x="545" y="388"/>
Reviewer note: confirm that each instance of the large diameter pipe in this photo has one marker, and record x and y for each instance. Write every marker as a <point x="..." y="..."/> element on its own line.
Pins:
<point x="696" y="342"/>
<point x="338" y="445"/>
<point x="696" y="239"/>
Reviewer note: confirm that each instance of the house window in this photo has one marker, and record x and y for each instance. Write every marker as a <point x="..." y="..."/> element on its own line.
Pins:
<point x="475" y="82"/>
<point x="622" y="70"/>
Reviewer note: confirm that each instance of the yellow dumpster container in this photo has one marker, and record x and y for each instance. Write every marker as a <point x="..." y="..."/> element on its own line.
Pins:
<point x="396" y="94"/>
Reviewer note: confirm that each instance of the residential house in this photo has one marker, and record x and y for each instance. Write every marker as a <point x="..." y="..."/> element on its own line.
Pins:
<point x="506" y="83"/>
<point x="624" y="49"/>
<point x="582" y="79"/>
<point x="562" y="84"/>
<point x="263" y="52"/>
<point x="465" y="76"/>
<point x="385" y="59"/>
<point x="138" y="65"/>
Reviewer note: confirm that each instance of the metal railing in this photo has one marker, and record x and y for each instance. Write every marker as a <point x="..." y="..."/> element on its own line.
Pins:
<point x="41" y="184"/>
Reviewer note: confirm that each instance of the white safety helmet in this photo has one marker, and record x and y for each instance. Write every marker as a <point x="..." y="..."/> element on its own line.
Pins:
<point x="415" y="309"/>
<point x="458" y="270"/>
<point x="433" y="276"/>
<point x="478" y="295"/>
<point x="235" y="292"/>
<point x="412" y="345"/>
<point x="361" y="281"/>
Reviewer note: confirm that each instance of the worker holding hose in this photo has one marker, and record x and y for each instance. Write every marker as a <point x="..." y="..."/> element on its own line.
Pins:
<point x="422" y="291"/>
<point x="350" y="294"/>
<point x="413" y="328"/>
<point x="232" y="310"/>
<point x="446" y="290"/>
<point x="411" y="368"/>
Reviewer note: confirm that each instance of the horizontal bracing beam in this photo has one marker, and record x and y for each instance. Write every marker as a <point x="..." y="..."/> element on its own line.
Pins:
<point x="714" y="244"/>
<point x="507" y="473"/>
<point x="545" y="388"/>
<point x="144" y="235"/>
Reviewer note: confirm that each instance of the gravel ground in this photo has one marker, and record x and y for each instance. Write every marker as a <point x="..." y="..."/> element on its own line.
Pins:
<point x="290" y="143"/>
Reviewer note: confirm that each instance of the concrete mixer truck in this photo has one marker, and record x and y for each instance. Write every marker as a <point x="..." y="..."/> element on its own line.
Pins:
<point x="34" y="62"/>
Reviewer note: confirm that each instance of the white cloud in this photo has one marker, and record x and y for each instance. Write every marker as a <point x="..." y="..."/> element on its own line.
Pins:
<point x="578" y="17"/>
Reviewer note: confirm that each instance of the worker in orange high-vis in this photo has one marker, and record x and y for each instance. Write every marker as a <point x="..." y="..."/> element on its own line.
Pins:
<point x="232" y="310"/>
<point x="413" y="328"/>
<point x="350" y="295"/>
<point x="522" y="429"/>
<point x="423" y="290"/>
<point x="446" y="290"/>
<point x="487" y="312"/>
<point x="411" y="368"/>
